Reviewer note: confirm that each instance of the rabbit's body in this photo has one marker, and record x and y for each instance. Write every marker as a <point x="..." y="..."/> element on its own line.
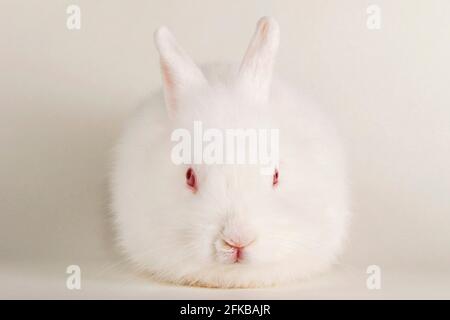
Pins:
<point x="236" y="228"/>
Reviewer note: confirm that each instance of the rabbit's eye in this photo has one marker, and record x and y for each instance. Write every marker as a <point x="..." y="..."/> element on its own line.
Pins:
<point x="191" y="180"/>
<point x="275" y="178"/>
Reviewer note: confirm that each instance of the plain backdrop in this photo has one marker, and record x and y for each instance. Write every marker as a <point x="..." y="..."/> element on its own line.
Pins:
<point x="64" y="95"/>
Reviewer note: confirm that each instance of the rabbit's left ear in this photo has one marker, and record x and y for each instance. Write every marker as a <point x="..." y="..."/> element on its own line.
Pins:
<point x="180" y="74"/>
<point x="255" y="73"/>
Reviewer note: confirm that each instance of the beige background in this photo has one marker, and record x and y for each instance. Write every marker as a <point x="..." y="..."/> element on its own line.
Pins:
<point x="64" y="95"/>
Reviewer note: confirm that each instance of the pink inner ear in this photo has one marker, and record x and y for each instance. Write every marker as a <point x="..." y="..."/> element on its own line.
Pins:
<point x="264" y="30"/>
<point x="168" y="82"/>
<point x="169" y="86"/>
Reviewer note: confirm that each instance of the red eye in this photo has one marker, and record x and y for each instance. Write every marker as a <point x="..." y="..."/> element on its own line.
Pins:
<point x="191" y="180"/>
<point x="275" y="178"/>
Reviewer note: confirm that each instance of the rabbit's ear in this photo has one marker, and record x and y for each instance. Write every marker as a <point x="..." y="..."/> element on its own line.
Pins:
<point x="255" y="72"/>
<point x="179" y="73"/>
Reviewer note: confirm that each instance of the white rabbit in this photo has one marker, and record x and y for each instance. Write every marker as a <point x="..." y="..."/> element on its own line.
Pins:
<point x="228" y="225"/>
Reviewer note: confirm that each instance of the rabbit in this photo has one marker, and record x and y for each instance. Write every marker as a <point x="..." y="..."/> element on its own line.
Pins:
<point x="228" y="225"/>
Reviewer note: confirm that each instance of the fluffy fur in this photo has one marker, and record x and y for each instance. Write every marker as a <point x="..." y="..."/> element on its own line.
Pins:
<point x="293" y="231"/>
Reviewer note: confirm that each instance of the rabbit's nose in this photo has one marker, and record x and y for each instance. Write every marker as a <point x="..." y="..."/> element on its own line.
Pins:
<point x="237" y="232"/>
<point x="237" y="244"/>
<point x="236" y="249"/>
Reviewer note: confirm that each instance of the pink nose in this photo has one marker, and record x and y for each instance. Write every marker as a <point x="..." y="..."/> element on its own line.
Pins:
<point x="237" y="249"/>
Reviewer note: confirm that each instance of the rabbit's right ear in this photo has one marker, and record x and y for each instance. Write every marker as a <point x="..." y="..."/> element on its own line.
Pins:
<point x="179" y="73"/>
<point x="255" y="74"/>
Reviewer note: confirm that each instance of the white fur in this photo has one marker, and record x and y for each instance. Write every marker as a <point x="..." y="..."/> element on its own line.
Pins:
<point x="296" y="229"/>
